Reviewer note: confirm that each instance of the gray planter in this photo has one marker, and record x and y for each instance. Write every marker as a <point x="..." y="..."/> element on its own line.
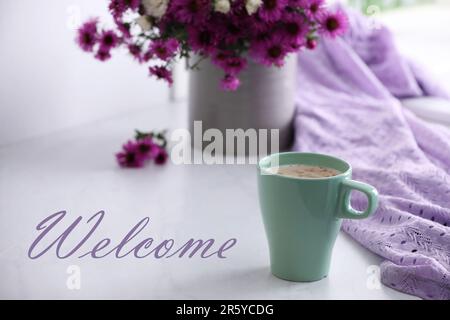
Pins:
<point x="265" y="99"/>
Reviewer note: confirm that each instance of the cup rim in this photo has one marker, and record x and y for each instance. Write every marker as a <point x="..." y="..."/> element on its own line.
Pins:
<point x="342" y="174"/>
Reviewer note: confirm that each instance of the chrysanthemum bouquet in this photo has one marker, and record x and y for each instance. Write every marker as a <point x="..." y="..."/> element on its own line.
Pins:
<point x="157" y="32"/>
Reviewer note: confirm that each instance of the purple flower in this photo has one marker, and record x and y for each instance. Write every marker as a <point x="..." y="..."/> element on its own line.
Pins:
<point x="230" y="28"/>
<point x="136" y="52"/>
<point x="230" y="63"/>
<point x="87" y="36"/>
<point x="162" y="73"/>
<point x="295" y="3"/>
<point x="118" y="7"/>
<point x="230" y="83"/>
<point x="191" y="11"/>
<point x="164" y="49"/>
<point x="313" y="8"/>
<point x="108" y="40"/>
<point x="123" y="28"/>
<point x="161" y="156"/>
<point x="220" y="57"/>
<point x="202" y="40"/>
<point x="103" y="54"/>
<point x="129" y="157"/>
<point x="271" y="51"/>
<point x="311" y="44"/>
<point x="294" y="29"/>
<point x="271" y="10"/>
<point x="334" y="24"/>
<point x="234" y="65"/>
<point x="147" y="148"/>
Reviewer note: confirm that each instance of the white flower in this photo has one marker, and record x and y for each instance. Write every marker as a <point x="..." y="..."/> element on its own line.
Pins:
<point x="155" y="8"/>
<point x="144" y="23"/>
<point x="252" y="6"/>
<point x="222" y="6"/>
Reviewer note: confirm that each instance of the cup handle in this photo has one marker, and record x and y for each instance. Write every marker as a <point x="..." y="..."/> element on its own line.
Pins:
<point x="346" y="210"/>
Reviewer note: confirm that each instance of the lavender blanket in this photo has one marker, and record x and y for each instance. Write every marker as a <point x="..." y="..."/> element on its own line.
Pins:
<point x="348" y="105"/>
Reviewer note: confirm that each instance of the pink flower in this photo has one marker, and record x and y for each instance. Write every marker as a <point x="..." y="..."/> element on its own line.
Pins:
<point x="87" y="36"/>
<point x="270" y="52"/>
<point x="129" y="157"/>
<point x="229" y="62"/>
<point x="123" y="28"/>
<point x="161" y="156"/>
<point x="190" y="11"/>
<point x="202" y="40"/>
<point x="230" y="83"/>
<point x="135" y="154"/>
<point x="271" y="10"/>
<point x="334" y="24"/>
<point x="294" y="29"/>
<point x="162" y="73"/>
<point x="255" y="26"/>
<point x="311" y="44"/>
<point x="164" y="49"/>
<point x="313" y="8"/>
<point x="295" y="3"/>
<point x="220" y="57"/>
<point x="103" y="54"/>
<point x="230" y="28"/>
<point x="136" y="52"/>
<point x="109" y="40"/>
<point x="118" y="7"/>
<point x="147" y="148"/>
<point x="234" y="65"/>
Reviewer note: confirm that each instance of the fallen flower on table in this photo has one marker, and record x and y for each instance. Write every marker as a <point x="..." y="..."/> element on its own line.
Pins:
<point x="144" y="148"/>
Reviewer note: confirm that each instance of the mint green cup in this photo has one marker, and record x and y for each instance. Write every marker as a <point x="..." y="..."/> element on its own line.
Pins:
<point x="302" y="216"/>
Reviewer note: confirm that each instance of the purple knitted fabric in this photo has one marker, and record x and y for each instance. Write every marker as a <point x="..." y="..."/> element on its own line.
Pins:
<point x="348" y="106"/>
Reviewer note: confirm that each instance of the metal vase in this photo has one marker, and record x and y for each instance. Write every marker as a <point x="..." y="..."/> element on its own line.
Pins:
<point x="265" y="100"/>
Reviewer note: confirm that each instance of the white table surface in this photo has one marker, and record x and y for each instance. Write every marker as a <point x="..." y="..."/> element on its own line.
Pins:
<point x="75" y="171"/>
